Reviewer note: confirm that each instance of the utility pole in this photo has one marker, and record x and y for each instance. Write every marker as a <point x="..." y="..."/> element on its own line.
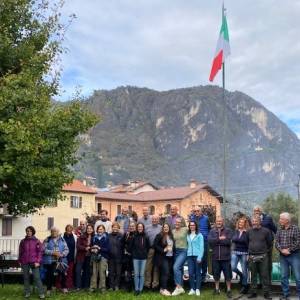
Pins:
<point x="298" y="188"/>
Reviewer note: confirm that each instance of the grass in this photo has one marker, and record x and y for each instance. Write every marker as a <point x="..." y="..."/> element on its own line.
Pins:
<point x="15" y="291"/>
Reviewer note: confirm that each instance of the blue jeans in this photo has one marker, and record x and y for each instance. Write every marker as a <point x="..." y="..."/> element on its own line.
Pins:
<point x="242" y="259"/>
<point x="194" y="272"/>
<point x="286" y="262"/>
<point x="139" y="273"/>
<point x="204" y="261"/>
<point x="180" y="258"/>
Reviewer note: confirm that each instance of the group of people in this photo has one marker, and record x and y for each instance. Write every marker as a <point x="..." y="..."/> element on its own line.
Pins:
<point x="151" y="254"/>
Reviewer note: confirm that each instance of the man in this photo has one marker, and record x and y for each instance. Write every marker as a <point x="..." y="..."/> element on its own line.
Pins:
<point x="267" y="222"/>
<point x="123" y="220"/>
<point x="287" y="242"/>
<point x="219" y="239"/>
<point x="103" y="221"/>
<point x="145" y="219"/>
<point x="171" y="219"/>
<point x="260" y="242"/>
<point x="152" y="231"/>
<point x="80" y="230"/>
<point x="204" y="228"/>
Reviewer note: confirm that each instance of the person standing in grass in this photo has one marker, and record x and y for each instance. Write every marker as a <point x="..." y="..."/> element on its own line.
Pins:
<point x="30" y="257"/>
<point x="195" y="253"/>
<point x="180" y="238"/>
<point x="240" y="252"/>
<point x="139" y="248"/>
<point x="164" y="246"/>
<point x="116" y="242"/>
<point x="99" y="258"/>
<point x="83" y="258"/>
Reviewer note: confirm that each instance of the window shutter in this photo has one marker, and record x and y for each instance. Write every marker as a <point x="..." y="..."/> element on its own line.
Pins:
<point x="71" y="201"/>
<point x="80" y="202"/>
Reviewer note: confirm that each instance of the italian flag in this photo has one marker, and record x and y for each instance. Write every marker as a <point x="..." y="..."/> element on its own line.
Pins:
<point x="223" y="49"/>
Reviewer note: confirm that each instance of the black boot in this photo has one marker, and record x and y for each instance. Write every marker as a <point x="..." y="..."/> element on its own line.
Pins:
<point x="267" y="296"/>
<point x="244" y="290"/>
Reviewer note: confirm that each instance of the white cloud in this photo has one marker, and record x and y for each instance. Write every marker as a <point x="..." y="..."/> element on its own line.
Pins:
<point x="170" y="44"/>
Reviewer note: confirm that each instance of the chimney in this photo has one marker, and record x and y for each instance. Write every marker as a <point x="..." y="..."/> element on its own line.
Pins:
<point x="84" y="182"/>
<point x="193" y="183"/>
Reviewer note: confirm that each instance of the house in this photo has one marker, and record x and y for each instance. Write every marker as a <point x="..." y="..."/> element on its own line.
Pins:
<point x="78" y="201"/>
<point x="133" y="187"/>
<point x="159" y="201"/>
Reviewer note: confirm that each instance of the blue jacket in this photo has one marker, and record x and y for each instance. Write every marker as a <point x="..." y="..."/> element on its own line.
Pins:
<point x="195" y="246"/>
<point x="103" y="243"/>
<point x="51" y="246"/>
<point x="203" y="224"/>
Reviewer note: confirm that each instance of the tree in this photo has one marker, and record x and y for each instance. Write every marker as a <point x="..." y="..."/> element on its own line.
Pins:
<point x="38" y="137"/>
<point x="282" y="202"/>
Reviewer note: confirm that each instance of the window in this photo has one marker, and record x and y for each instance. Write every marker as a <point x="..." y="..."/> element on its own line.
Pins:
<point x="6" y="226"/>
<point x="50" y="223"/>
<point x="75" y="222"/>
<point x="152" y="210"/>
<point x="76" y="202"/>
<point x="130" y="209"/>
<point x="99" y="207"/>
<point x="118" y="209"/>
<point x="168" y="208"/>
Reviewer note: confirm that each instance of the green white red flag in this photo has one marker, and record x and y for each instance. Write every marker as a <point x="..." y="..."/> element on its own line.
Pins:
<point x="223" y="49"/>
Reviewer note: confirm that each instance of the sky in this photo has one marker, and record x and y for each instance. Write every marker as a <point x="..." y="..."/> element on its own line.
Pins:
<point x="168" y="44"/>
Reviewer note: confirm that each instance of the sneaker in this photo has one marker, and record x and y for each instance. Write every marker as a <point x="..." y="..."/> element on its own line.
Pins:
<point x="178" y="291"/>
<point x="229" y="294"/>
<point x="191" y="292"/>
<point x="48" y="293"/>
<point x="165" y="292"/>
<point x="216" y="292"/>
<point x="27" y="295"/>
<point x="252" y="295"/>
<point x="42" y="296"/>
<point x="197" y="292"/>
<point x="116" y="288"/>
<point x="65" y="291"/>
<point x="267" y="296"/>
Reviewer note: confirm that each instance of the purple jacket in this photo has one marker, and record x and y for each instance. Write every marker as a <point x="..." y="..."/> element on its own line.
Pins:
<point x="30" y="251"/>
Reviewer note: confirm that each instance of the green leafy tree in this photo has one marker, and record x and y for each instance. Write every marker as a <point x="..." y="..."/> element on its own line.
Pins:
<point x="275" y="204"/>
<point x="38" y="138"/>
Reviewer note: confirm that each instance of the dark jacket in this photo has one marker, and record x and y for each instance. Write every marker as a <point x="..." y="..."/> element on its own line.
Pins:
<point x="30" y="251"/>
<point x="159" y="245"/>
<point x="82" y="244"/>
<point x="240" y="243"/>
<point x="139" y="246"/>
<point x="260" y="240"/>
<point x="71" y="243"/>
<point x="116" y="242"/>
<point x="103" y="243"/>
<point x="267" y="222"/>
<point x="221" y="249"/>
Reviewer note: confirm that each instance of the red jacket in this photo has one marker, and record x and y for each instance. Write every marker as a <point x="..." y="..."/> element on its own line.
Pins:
<point x="82" y="243"/>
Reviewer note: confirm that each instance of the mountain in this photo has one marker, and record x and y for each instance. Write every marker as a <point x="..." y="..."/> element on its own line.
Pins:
<point x="173" y="136"/>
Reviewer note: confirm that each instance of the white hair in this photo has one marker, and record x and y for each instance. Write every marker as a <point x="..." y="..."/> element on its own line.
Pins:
<point x="53" y="228"/>
<point x="286" y="215"/>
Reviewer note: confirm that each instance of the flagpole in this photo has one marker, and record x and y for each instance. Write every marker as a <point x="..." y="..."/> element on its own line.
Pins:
<point x="224" y="134"/>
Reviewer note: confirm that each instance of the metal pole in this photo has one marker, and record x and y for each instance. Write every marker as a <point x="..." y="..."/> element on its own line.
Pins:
<point x="224" y="143"/>
<point x="298" y="187"/>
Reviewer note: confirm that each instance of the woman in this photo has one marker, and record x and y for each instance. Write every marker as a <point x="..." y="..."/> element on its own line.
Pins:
<point x="180" y="238"/>
<point x="164" y="246"/>
<point x="30" y="257"/>
<point x="139" y="249"/>
<point x="70" y="239"/>
<point x="83" y="258"/>
<point x="116" y="243"/>
<point x="100" y="254"/>
<point x="127" y="258"/>
<point x="55" y="259"/>
<point x="194" y="256"/>
<point x="240" y="252"/>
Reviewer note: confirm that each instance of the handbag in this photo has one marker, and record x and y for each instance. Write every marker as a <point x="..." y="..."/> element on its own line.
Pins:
<point x="257" y="258"/>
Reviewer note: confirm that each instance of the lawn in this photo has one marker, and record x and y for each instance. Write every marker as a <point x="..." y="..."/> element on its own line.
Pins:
<point x="13" y="291"/>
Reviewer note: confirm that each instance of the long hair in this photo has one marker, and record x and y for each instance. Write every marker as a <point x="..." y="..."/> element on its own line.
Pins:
<point x="164" y="235"/>
<point x="247" y="225"/>
<point x="189" y="227"/>
<point x="136" y="227"/>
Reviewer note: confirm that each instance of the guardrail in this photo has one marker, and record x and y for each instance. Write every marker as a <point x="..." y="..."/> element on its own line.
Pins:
<point x="9" y="247"/>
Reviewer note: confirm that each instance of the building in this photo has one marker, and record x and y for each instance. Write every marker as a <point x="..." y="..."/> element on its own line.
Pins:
<point x="160" y="201"/>
<point x="78" y="202"/>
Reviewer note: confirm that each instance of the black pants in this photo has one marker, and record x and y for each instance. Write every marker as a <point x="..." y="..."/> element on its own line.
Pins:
<point x="114" y="273"/>
<point x="165" y="271"/>
<point x="50" y="277"/>
<point x="127" y="270"/>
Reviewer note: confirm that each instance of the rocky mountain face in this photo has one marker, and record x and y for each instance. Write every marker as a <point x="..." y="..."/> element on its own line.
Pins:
<point x="171" y="137"/>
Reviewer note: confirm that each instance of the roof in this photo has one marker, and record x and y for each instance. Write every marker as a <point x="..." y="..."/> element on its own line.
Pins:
<point x="130" y="187"/>
<point x="176" y="193"/>
<point x="79" y="187"/>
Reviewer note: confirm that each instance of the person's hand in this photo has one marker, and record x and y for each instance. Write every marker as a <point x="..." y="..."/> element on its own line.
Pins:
<point x="285" y="251"/>
<point x="87" y="248"/>
<point x="222" y="237"/>
<point x="56" y="253"/>
<point x="36" y="265"/>
<point x="166" y="249"/>
<point x="198" y="261"/>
